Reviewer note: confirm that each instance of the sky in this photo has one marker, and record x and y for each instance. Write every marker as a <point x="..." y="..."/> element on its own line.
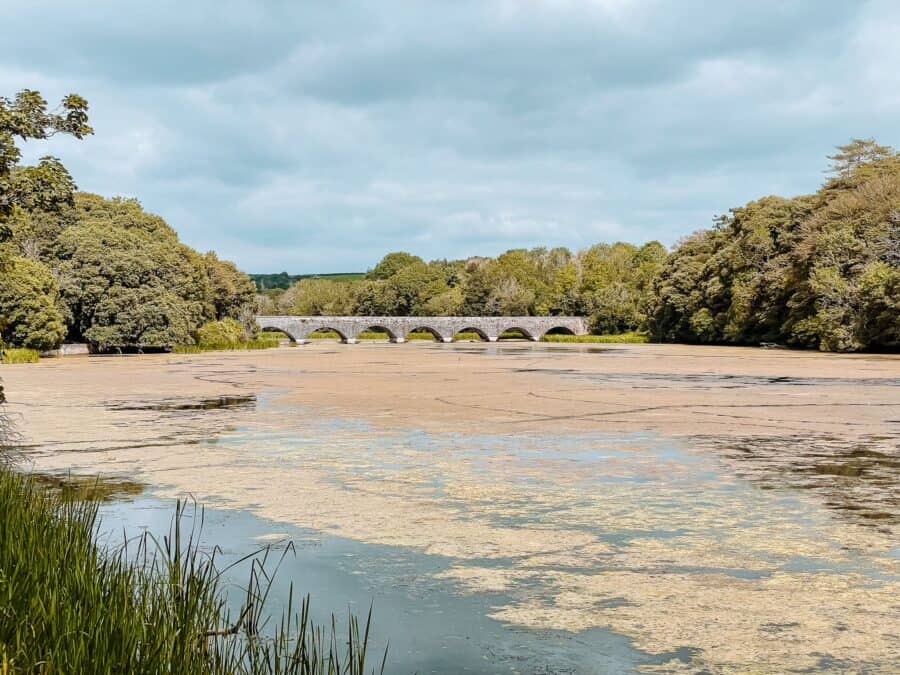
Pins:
<point x="314" y="137"/>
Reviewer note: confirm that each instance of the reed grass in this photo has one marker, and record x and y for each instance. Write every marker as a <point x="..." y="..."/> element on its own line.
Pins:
<point x="267" y="342"/>
<point x="151" y="606"/>
<point x="632" y="337"/>
<point x="17" y="355"/>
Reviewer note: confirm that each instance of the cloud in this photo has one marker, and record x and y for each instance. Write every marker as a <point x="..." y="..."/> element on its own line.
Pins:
<point x="318" y="136"/>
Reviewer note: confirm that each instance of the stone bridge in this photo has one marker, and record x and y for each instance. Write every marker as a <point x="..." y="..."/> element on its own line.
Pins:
<point x="443" y="328"/>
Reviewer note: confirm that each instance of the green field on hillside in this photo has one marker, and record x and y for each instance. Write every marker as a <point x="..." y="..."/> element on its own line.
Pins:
<point x="283" y="280"/>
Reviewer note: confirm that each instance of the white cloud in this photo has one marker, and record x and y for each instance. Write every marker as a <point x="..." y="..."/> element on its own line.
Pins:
<point x="317" y="137"/>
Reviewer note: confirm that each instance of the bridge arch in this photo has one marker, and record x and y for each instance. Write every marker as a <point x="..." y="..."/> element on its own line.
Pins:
<point x="558" y="330"/>
<point x="326" y="328"/>
<point x="378" y="328"/>
<point x="435" y="333"/>
<point x="527" y="334"/>
<point x="472" y="329"/>
<point x="275" y="329"/>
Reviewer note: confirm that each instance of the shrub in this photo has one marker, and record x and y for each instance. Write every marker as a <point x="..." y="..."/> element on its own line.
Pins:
<point x="19" y="355"/>
<point x="224" y="331"/>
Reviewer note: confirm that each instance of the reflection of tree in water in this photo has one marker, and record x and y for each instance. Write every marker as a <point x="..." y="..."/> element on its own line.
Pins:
<point x="859" y="479"/>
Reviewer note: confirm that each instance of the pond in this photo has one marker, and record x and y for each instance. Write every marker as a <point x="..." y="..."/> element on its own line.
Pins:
<point x="525" y="508"/>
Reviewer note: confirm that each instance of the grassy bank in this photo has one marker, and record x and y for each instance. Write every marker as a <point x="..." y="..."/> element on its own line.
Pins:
<point x="152" y="607"/>
<point x="265" y="341"/>
<point x="16" y="355"/>
<point x="633" y="338"/>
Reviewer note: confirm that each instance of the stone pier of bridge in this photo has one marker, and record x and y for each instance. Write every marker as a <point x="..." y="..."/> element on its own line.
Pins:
<point x="443" y="328"/>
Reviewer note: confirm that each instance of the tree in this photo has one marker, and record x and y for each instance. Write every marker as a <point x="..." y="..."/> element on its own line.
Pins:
<point x="317" y="297"/>
<point x="230" y="290"/>
<point x="47" y="185"/>
<point x="859" y="152"/>
<point x="29" y="306"/>
<point x="115" y="247"/>
<point x="391" y="264"/>
<point x="819" y="271"/>
<point x="29" y="315"/>
<point x="147" y="316"/>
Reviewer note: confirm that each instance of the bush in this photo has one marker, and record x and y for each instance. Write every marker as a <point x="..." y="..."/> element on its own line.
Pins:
<point x="632" y="337"/>
<point x="29" y="308"/>
<point x="225" y="331"/>
<point x="19" y="355"/>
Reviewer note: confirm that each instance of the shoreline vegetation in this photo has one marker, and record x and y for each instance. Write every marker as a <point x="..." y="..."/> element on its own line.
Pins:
<point x="71" y="605"/>
<point x="151" y="605"/>
<point x="818" y="271"/>
<point x="267" y="340"/>
<point x="19" y="355"/>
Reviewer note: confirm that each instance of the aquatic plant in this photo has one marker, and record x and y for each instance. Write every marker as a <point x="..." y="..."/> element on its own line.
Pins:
<point x="631" y="337"/>
<point x="11" y="355"/>
<point x="150" y="606"/>
<point x="263" y="341"/>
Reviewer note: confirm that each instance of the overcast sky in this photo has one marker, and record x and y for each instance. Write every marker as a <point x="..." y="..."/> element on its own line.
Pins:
<point x="317" y="136"/>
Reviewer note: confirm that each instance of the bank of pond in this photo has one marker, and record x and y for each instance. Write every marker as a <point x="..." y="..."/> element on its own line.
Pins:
<point x="271" y="340"/>
<point x="70" y="605"/>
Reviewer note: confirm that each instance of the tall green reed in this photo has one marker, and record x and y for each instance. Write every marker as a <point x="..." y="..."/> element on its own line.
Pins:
<point x="149" y="606"/>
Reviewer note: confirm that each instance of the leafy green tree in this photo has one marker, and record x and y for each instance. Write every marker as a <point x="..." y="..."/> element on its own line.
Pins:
<point x="374" y="298"/>
<point x="116" y="248"/>
<point x="29" y="314"/>
<point x="29" y="306"/>
<point x="46" y="185"/>
<point x="819" y="271"/>
<point x="847" y="259"/>
<point x="317" y="297"/>
<point x="231" y="292"/>
<point x="147" y="316"/>
<point x="444" y="303"/>
<point x="391" y="264"/>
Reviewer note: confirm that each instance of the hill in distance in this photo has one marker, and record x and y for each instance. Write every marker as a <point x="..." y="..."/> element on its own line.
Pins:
<point x="283" y="280"/>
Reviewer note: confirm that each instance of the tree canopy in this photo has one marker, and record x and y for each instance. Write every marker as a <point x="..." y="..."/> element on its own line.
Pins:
<point x="79" y="266"/>
<point x="813" y="271"/>
<point x="819" y="271"/>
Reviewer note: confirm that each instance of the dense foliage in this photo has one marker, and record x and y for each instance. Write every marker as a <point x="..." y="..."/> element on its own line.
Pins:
<point x="611" y="284"/>
<point x="815" y="271"/>
<point x="80" y="267"/>
<point x="283" y="280"/>
<point x="819" y="271"/>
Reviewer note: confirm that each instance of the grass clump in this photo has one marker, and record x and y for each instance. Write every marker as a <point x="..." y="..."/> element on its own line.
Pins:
<point x="12" y="355"/>
<point x="261" y="342"/>
<point x="632" y="337"/>
<point x="67" y="606"/>
<point x="226" y="335"/>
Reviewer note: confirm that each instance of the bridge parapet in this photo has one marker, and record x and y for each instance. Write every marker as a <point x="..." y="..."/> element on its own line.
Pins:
<point x="443" y="328"/>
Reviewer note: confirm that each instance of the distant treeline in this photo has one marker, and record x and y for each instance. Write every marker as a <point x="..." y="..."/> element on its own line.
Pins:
<point x="78" y="267"/>
<point x="816" y="271"/>
<point x="283" y="280"/>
